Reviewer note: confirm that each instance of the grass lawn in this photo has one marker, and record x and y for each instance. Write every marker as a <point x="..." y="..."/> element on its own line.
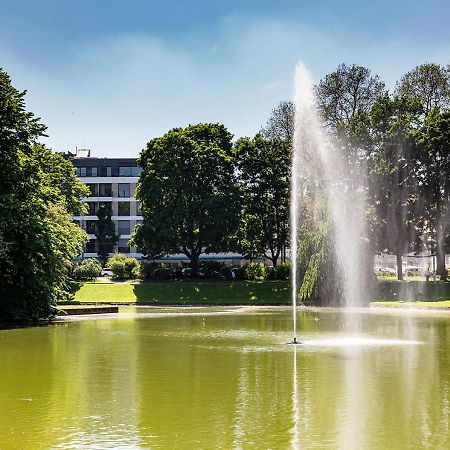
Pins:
<point x="444" y="304"/>
<point x="186" y="292"/>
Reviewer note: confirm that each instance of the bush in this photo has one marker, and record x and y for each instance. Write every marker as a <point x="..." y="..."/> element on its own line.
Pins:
<point x="212" y="269"/>
<point x="255" y="271"/>
<point x="88" y="269"/>
<point x="145" y="270"/>
<point x="122" y="266"/>
<point x="163" y="273"/>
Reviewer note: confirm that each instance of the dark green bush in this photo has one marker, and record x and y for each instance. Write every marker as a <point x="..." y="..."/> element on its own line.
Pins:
<point x="88" y="269"/>
<point x="163" y="273"/>
<point x="145" y="270"/>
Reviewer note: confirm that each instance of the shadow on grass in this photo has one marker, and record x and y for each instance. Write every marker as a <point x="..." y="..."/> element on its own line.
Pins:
<point x="212" y="292"/>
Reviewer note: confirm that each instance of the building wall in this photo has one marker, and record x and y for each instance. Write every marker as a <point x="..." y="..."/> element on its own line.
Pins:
<point x="109" y="179"/>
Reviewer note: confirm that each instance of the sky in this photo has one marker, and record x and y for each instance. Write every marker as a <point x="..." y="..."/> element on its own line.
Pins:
<point x="110" y="75"/>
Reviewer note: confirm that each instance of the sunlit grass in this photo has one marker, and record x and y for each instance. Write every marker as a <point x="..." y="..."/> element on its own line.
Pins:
<point x="443" y="304"/>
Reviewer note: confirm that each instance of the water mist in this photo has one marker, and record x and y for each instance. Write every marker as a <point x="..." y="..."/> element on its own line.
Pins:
<point x="317" y="159"/>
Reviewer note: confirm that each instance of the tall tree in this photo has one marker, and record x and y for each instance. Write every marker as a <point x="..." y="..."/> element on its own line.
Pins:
<point x="280" y="125"/>
<point x="38" y="239"/>
<point x="105" y="233"/>
<point x="347" y="92"/>
<point x="429" y="83"/>
<point x="188" y="193"/>
<point x="434" y="155"/>
<point x="264" y="169"/>
<point x="394" y="183"/>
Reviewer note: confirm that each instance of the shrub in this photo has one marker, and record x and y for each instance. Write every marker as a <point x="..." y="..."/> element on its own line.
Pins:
<point x="255" y="271"/>
<point x="163" y="273"/>
<point x="88" y="269"/>
<point x="212" y="269"/>
<point x="122" y="266"/>
<point x="144" y="270"/>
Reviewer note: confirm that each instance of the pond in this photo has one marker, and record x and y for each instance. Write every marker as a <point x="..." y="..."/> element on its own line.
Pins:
<point x="225" y="378"/>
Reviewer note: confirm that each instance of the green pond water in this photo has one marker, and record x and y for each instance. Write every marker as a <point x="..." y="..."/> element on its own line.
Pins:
<point x="209" y="378"/>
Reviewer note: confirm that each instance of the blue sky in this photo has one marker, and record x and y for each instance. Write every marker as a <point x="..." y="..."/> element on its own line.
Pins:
<point x="112" y="74"/>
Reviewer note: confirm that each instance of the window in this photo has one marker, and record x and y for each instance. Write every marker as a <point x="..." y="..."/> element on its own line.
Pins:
<point x="105" y="190"/>
<point x="86" y="171"/>
<point x="90" y="226"/>
<point x="124" y="189"/>
<point x="107" y="204"/>
<point x="90" y="246"/>
<point x="127" y="171"/>
<point x="108" y="172"/>
<point x="123" y="246"/>
<point x="124" y="208"/>
<point x="94" y="189"/>
<point x="123" y="227"/>
<point x="138" y="209"/>
<point x="92" y="208"/>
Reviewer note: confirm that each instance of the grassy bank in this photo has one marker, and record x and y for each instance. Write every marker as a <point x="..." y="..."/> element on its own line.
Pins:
<point x="186" y="292"/>
<point x="241" y="292"/>
<point x="445" y="304"/>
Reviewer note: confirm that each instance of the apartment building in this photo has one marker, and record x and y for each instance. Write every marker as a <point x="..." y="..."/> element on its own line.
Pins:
<point x="112" y="182"/>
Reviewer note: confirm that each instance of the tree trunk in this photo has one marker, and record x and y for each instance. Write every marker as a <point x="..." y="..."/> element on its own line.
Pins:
<point x="399" y="266"/>
<point x="441" y="270"/>
<point x="194" y="265"/>
<point x="274" y="261"/>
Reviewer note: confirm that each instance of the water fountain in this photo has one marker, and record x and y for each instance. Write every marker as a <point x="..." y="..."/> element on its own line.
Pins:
<point x="313" y="149"/>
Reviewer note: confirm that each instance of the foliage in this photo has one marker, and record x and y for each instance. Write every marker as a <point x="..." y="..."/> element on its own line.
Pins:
<point x="106" y="232"/>
<point x="145" y="269"/>
<point x="394" y="183"/>
<point x="347" y="92"/>
<point x="429" y="83"/>
<point x="433" y="142"/>
<point x="188" y="194"/>
<point x="163" y="273"/>
<point x="255" y="271"/>
<point x="264" y="168"/>
<point x="88" y="269"/>
<point x="280" y="272"/>
<point x="122" y="266"/>
<point x="38" y="190"/>
<point x="280" y="125"/>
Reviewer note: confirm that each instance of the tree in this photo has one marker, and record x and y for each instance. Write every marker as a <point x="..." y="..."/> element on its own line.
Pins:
<point x="433" y="141"/>
<point x="188" y="193"/>
<point x="393" y="174"/>
<point x="429" y="83"/>
<point x="105" y="233"/>
<point x="264" y="169"/>
<point x="347" y="92"/>
<point x="280" y="125"/>
<point x="37" y="236"/>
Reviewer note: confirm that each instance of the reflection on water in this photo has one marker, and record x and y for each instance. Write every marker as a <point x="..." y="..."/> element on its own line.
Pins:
<point x="225" y="378"/>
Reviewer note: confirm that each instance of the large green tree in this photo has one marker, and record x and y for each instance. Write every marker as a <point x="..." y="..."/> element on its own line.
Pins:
<point x="393" y="179"/>
<point x="429" y="83"/>
<point x="433" y="142"/>
<point x="348" y="91"/>
<point x="37" y="237"/>
<point x="188" y="192"/>
<point x="264" y="173"/>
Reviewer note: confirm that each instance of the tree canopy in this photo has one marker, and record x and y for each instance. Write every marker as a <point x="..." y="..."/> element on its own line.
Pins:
<point x="188" y="192"/>
<point x="38" y="191"/>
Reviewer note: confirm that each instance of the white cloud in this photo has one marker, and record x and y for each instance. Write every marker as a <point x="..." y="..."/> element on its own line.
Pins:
<point x="114" y="94"/>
